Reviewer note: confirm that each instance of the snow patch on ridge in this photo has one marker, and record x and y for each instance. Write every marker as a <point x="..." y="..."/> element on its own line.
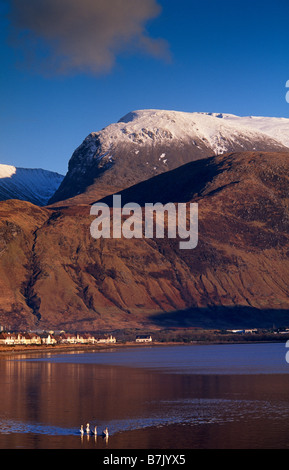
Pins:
<point x="275" y="127"/>
<point x="6" y="171"/>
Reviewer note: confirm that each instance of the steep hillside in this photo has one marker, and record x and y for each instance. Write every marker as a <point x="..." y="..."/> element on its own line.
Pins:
<point x="149" y="142"/>
<point x="32" y="185"/>
<point x="54" y="274"/>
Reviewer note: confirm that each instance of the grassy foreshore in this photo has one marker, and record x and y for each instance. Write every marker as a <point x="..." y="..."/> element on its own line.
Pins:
<point x="57" y="348"/>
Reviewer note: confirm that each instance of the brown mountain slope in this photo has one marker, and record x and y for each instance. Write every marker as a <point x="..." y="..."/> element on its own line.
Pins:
<point x="54" y="274"/>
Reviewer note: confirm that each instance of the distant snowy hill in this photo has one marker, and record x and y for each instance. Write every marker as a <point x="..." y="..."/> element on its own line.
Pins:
<point x="33" y="185"/>
<point x="149" y="142"/>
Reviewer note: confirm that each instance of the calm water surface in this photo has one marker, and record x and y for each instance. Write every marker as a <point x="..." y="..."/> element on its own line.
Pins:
<point x="176" y="397"/>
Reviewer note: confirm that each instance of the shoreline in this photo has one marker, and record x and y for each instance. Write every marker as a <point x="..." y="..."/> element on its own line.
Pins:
<point x="63" y="348"/>
<point x="58" y="348"/>
<point x="66" y="348"/>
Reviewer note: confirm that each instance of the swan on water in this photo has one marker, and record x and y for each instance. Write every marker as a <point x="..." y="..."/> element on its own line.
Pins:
<point x="88" y="431"/>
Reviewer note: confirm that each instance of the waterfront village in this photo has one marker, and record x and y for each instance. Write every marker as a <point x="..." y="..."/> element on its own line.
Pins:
<point x="24" y="339"/>
<point x="51" y="338"/>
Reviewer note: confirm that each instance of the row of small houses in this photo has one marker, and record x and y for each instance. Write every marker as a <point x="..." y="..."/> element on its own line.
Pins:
<point x="50" y="339"/>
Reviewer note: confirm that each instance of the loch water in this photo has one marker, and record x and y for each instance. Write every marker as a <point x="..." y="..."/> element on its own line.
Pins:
<point x="169" y="397"/>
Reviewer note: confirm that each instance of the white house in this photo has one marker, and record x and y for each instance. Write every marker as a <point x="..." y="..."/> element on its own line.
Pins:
<point x="86" y="338"/>
<point x="19" y="338"/>
<point x="7" y="338"/>
<point x="67" y="338"/>
<point x="109" y="339"/>
<point x="143" y="339"/>
<point x="48" y="339"/>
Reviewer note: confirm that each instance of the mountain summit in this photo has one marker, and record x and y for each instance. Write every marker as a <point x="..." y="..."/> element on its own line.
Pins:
<point x="146" y="143"/>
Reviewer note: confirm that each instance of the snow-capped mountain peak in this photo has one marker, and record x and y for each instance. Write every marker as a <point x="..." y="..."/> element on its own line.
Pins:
<point x="217" y="131"/>
<point x="147" y="142"/>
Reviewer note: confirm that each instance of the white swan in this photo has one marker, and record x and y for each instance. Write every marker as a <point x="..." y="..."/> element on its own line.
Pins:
<point x="95" y="430"/>
<point x="87" y="429"/>
<point x="105" y="433"/>
<point x="81" y="430"/>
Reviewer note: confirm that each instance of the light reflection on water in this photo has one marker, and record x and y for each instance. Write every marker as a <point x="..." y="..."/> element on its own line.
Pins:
<point x="190" y="412"/>
<point x="211" y="359"/>
<point x="199" y="390"/>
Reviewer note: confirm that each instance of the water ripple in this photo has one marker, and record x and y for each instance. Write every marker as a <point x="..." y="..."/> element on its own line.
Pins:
<point x="191" y="412"/>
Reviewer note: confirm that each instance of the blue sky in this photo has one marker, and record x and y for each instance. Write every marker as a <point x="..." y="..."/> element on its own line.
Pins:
<point x="209" y="56"/>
